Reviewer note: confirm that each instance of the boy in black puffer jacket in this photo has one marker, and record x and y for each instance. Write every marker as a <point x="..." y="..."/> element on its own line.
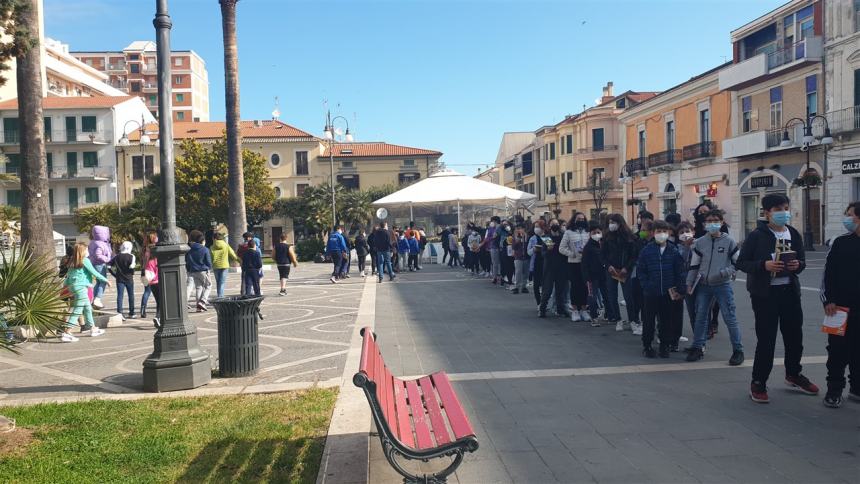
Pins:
<point x="594" y="271"/>
<point x="661" y="273"/>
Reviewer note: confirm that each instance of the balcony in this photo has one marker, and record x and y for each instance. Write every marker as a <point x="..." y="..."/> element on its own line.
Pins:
<point x="62" y="136"/>
<point x="102" y="173"/>
<point x="844" y="120"/>
<point x="634" y="165"/>
<point x="700" y="151"/>
<point x="118" y="84"/>
<point x="762" y="141"/>
<point x="593" y="152"/>
<point x="149" y="86"/>
<point x="764" y="65"/>
<point x="149" y="68"/>
<point x="664" y="159"/>
<point x="118" y="67"/>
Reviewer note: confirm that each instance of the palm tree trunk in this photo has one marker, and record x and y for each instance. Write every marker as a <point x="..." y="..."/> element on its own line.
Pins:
<point x="237" y="222"/>
<point x="36" y="223"/>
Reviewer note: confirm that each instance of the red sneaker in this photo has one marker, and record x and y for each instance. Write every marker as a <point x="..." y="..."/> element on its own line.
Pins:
<point x="801" y="384"/>
<point x="758" y="393"/>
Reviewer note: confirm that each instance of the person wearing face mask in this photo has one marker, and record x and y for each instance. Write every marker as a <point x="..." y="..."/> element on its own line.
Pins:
<point x="594" y="272"/>
<point x="775" y="294"/>
<point x="506" y="255"/>
<point x="685" y="247"/>
<point x="521" y="260"/>
<point x="572" y="244"/>
<point x="660" y="270"/>
<point x="712" y="269"/>
<point x="618" y="251"/>
<point x="473" y="250"/>
<point x="491" y="241"/>
<point x="646" y="234"/>
<point x="555" y="275"/>
<point x="534" y="250"/>
<point x="841" y="288"/>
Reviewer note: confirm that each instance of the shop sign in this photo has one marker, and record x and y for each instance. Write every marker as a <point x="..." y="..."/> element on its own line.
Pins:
<point x="850" y="167"/>
<point x="761" y="181"/>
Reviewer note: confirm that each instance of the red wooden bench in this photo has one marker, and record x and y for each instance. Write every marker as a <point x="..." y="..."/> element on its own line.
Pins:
<point x="418" y="419"/>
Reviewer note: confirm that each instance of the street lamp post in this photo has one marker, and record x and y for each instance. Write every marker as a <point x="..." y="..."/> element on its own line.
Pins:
<point x="176" y="362"/>
<point x="143" y="139"/>
<point x="626" y="179"/>
<point x="806" y="145"/>
<point x="330" y="136"/>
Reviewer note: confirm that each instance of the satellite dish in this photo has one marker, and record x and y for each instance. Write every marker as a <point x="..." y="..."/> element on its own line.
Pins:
<point x="381" y="213"/>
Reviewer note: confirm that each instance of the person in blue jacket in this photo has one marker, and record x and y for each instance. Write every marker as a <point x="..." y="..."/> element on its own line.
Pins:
<point x="661" y="274"/>
<point x="402" y="251"/>
<point x="252" y="263"/>
<point x="198" y="261"/>
<point x="414" y="249"/>
<point x="336" y="249"/>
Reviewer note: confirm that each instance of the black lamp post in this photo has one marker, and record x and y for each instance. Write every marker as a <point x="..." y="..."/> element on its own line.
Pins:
<point x="176" y="362"/>
<point x="806" y="145"/>
<point x="330" y="135"/>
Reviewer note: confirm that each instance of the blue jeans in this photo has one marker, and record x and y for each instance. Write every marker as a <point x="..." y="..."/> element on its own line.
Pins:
<point x="147" y="290"/>
<point x="251" y="281"/>
<point x="383" y="261"/>
<point x="726" y="300"/>
<point x="122" y="287"/>
<point x="337" y="260"/>
<point x="597" y="299"/>
<point x="99" y="289"/>
<point x="220" y="281"/>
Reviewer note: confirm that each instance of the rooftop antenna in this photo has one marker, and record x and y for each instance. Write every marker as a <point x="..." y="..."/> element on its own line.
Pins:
<point x="276" y="113"/>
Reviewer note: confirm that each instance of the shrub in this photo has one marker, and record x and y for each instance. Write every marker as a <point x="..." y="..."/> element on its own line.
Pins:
<point x="306" y="249"/>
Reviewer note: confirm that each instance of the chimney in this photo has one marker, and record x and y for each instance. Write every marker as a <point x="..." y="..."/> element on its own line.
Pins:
<point x="258" y="123"/>
<point x="607" y="92"/>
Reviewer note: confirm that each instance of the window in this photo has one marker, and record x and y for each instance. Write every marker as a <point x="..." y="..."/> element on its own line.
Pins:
<point x="50" y="162"/>
<point x="135" y="68"/>
<point x="569" y="180"/>
<point x="46" y="124"/>
<point x="642" y="146"/>
<point x="527" y="167"/>
<point x="670" y="135"/>
<point x="275" y="160"/>
<point x="349" y="182"/>
<point x="180" y="97"/>
<point x="153" y="99"/>
<point x="346" y="164"/>
<point x="404" y="178"/>
<point x="408" y="162"/>
<point x="88" y="124"/>
<point x="277" y="192"/>
<point x="552" y="186"/>
<point x="91" y="195"/>
<point x="13" y="198"/>
<point x="552" y="151"/>
<point x="705" y="125"/>
<point x="133" y="57"/>
<point x="177" y="61"/>
<point x="597" y="139"/>
<point x="620" y="104"/>
<point x="13" y="164"/>
<point x="569" y="141"/>
<point x="10" y="130"/>
<point x="300" y="188"/>
<point x="302" y="163"/>
<point x="177" y="79"/>
<point x="746" y="107"/>
<point x="776" y="108"/>
<point x="856" y="20"/>
<point x="811" y="96"/>
<point x="71" y="163"/>
<point x="91" y="159"/>
<point x="135" y="86"/>
<point x="180" y="116"/>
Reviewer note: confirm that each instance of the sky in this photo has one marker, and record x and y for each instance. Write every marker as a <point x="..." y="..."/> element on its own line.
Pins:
<point x="448" y="75"/>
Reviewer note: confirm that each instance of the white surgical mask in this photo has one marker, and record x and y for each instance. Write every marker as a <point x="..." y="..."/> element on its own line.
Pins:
<point x="538" y="231"/>
<point x="596" y="237"/>
<point x="661" y="237"/>
<point x="613" y="227"/>
<point x="686" y="236"/>
<point x="492" y="224"/>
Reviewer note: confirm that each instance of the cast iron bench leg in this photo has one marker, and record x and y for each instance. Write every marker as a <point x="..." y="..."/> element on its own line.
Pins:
<point x="440" y="477"/>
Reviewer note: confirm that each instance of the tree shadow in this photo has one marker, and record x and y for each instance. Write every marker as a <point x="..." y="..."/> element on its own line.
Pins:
<point x="249" y="460"/>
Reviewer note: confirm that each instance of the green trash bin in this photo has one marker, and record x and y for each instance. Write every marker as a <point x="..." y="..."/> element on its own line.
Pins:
<point x="238" y="341"/>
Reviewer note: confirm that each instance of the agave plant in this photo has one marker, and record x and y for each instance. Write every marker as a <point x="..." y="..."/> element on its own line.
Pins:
<point x="29" y="295"/>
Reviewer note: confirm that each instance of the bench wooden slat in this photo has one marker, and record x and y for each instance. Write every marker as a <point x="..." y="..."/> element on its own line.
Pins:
<point x="419" y="420"/>
<point x="388" y="402"/>
<point x="437" y="420"/>
<point x="402" y="410"/>
<point x="453" y="409"/>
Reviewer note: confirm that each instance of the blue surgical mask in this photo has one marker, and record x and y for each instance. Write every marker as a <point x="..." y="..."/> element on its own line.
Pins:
<point x="849" y="224"/>
<point x="713" y="227"/>
<point x="781" y="219"/>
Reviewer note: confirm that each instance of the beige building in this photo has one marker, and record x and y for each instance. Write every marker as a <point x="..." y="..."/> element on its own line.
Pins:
<point x="490" y="175"/>
<point x="133" y="70"/>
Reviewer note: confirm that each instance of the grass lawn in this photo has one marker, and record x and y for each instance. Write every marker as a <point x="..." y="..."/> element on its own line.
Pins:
<point x="249" y="438"/>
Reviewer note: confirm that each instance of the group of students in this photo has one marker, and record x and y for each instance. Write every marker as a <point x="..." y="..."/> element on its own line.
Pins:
<point x="85" y="267"/>
<point x="393" y="250"/>
<point x="579" y="268"/>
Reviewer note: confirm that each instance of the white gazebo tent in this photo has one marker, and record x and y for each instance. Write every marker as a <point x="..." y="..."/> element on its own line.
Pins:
<point x="453" y="187"/>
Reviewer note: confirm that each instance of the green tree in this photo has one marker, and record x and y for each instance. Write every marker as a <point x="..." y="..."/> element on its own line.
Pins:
<point x="132" y="224"/>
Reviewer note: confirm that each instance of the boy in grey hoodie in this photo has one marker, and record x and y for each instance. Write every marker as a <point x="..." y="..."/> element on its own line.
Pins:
<point x="712" y="269"/>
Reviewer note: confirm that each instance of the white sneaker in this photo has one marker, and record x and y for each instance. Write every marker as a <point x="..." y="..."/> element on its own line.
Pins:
<point x="333" y="280"/>
<point x="96" y="331"/>
<point x="637" y="328"/>
<point x="683" y="339"/>
<point x="67" y="338"/>
<point x="619" y="326"/>
<point x="97" y="303"/>
<point x="575" y="317"/>
<point x="585" y="316"/>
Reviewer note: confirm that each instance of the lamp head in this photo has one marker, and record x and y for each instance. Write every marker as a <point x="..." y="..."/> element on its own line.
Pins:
<point x="807" y="135"/>
<point x="327" y="133"/>
<point x="348" y="136"/>
<point x="144" y="139"/>
<point x="123" y="141"/>
<point x="827" y="139"/>
<point x="786" y="142"/>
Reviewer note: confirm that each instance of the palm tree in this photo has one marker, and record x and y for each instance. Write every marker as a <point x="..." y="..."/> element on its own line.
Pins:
<point x="36" y="224"/>
<point x="29" y="294"/>
<point x="236" y="221"/>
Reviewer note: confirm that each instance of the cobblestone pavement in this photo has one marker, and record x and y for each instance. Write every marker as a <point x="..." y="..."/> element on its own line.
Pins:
<point x="555" y="401"/>
<point x="303" y="339"/>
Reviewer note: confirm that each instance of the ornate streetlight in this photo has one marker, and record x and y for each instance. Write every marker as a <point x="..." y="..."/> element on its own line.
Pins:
<point x="176" y="362"/>
<point x="805" y="145"/>
<point x="330" y="134"/>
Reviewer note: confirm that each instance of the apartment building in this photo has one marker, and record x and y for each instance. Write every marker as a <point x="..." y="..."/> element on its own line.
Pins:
<point x="81" y="135"/>
<point x="374" y="164"/>
<point x="672" y="144"/>
<point x="842" y="103"/>
<point x="133" y="70"/>
<point x="490" y="175"/>
<point x="66" y="76"/>
<point x="775" y="82"/>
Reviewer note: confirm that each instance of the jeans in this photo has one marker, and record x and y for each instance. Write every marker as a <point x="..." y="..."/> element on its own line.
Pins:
<point x="383" y="262"/>
<point x="220" y="281"/>
<point x="597" y="298"/>
<point x="413" y="262"/>
<point x="402" y="260"/>
<point x="199" y="287"/>
<point x="496" y="263"/>
<point x="613" y="309"/>
<point x="99" y="288"/>
<point x="127" y="287"/>
<point x="337" y="261"/>
<point x="251" y="281"/>
<point x="521" y="270"/>
<point x="779" y="310"/>
<point x="454" y="261"/>
<point x="726" y="300"/>
<point x="147" y="291"/>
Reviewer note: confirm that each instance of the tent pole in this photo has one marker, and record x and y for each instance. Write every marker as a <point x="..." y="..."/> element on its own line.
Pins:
<point x="411" y="217"/>
<point x="459" y="228"/>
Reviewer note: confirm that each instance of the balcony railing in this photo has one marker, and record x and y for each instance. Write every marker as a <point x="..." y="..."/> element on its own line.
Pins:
<point x="844" y="120"/>
<point x="149" y="86"/>
<point x="118" y="84"/>
<point x="94" y="172"/>
<point x="790" y="53"/>
<point x="121" y="66"/>
<point x="634" y="165"/>
<point x="13" y="137"/>
<point x="149" y="69"/>
<point x="592" y="149"/>
<point x="664" y="158"/>
<point x="704" y="149"/>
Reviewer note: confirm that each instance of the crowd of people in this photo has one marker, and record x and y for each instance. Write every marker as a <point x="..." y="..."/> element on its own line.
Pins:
<point x="392" y="250"/>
